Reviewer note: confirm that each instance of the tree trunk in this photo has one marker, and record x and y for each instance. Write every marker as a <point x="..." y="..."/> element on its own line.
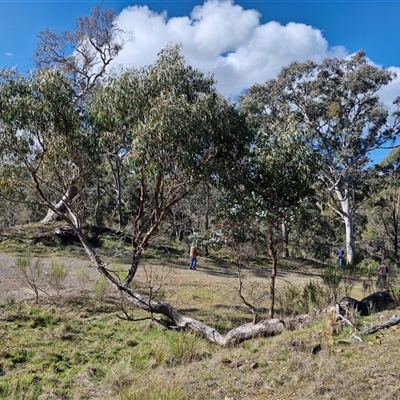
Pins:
<point x="97" y="214"/>
<point x="387" y="324"/>
<point x="62" y="206"/>
<point x="116" y="171"/>
<point x="119" y="191"/>
<point x="347" y="217"/>
<point x="272" y="253"/>
<point x="178" y="321"/>
<point x="285" y="235"/>
<point x="348" y="220"/>
<point x="207" y="215"/>
<point x="137" y="255"/>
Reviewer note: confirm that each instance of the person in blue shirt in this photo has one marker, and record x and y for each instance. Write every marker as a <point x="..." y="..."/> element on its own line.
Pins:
<point x="339" y="254"/>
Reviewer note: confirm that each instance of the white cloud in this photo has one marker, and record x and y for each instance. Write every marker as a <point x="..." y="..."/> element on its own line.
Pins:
<point x="225" y="39"/>
<point x="389" y="92"/>
<point x="8" y="54"/>
<point x="231" y="42"/>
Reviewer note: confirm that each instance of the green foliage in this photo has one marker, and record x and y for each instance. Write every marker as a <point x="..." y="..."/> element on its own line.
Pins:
<point x="56" y="276"/>
<point x="30" y="273"/>
<point x="370" y="268"/>
<point x="178" y="133"/>
<point x="100" y="287"/>
<point x="83" y="278"/>
<point x="350" y="275"/>
<point x="382" y="211"/>
<point x="55" y="150"/>
<point x="184" y="349"/>
<point x="77" y="349"/>
<point x="66" y="355"/>
<point x="319" y="100"/>
<point x="332" y="278"/>
<point x="301" y="299"/>
<point x="395" y="293"/>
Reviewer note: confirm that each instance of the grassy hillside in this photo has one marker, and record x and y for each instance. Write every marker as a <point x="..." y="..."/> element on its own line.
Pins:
<point x="85" y="343"/>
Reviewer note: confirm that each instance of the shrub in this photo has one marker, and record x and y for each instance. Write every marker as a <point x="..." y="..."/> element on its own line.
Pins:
<point x="332" y="278"/>
<point x="100" y="289"/>
<point x="56" y="276"/>
<point x="83" y="278"/>
<point x="301" y="299"/>
<point x="30" y="273"/>
<point x="349" y="274"/>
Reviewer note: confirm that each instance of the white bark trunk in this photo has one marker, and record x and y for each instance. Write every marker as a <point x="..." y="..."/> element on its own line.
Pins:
<point x="62" y="206"/>
<point x="349" y="239"/>
<point x="285" y="235"/>
<point x="347" y="216"/>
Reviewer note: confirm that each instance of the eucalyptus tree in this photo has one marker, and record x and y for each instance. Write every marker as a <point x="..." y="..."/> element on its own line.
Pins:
<point x="279" y="176"/>
<point x="180" y="133"/>
<point x="176" y="132"/>
<point x="42" y="137"/>
<point x="338" y="101"/>
<point x="82" y="56"/>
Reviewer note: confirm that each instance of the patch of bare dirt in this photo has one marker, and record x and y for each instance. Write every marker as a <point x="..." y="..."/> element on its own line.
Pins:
<point x="14" y="287"/>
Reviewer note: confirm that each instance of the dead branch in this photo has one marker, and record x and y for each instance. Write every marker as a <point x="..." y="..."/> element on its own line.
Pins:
<point x="387" y="324"/>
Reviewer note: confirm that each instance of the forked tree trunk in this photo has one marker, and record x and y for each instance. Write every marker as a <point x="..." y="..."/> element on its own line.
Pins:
<point x="62" y="205"/>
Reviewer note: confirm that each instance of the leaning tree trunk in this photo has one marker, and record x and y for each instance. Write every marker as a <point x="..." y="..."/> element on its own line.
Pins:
<point x="61" y="206"/>
<point x="178" y="321"/>
<point x="137" y="255"/>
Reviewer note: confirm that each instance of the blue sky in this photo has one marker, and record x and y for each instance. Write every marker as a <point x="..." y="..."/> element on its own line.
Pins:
<point x="371" y="25"/>
<point x="241" y="43"/>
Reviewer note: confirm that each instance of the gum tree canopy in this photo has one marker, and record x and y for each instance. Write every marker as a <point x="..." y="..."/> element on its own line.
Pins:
<point x="279" y="177"/>
<point x="42" y="134"/>
<point x="176" y="131"/>
<point x="337" y="102"/>
<point x="82" y="56"/>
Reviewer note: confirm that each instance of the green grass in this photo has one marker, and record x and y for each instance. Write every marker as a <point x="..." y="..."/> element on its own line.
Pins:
<point x="76" y="351"/>
<point x="54" y="348"/>
<point x="79" y="347"/>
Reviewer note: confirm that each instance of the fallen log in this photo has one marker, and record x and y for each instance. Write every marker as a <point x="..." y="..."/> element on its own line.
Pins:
<point x="387" y="324"/>
<point x="68" y="236"/>
<point x="265" y="328"/>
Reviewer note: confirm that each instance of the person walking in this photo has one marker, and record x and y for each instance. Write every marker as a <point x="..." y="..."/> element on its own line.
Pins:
<point x="383" y="270"/>
<point x="339" y="254"/>
<point x="193" y="257"/>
